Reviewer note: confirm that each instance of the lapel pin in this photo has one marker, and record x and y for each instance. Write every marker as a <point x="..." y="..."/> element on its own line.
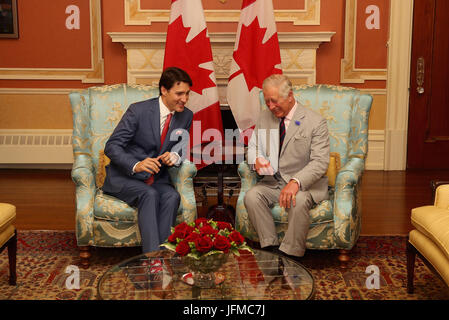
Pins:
<point x="297" y="122"/>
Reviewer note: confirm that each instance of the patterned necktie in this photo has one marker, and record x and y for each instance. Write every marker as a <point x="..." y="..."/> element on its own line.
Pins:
<point x="150" y="180"/>
<point x="281" y="133"/>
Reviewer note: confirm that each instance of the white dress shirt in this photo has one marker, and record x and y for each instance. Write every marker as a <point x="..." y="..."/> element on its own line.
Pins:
<point x="289" y="116"/>
<point x="163" y="111"/>
<point x="274" y="160"/>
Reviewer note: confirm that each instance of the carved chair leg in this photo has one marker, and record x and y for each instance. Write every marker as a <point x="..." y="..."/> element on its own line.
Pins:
<point x="12" y="257"/>
<point x="411" y="255"/>
<point x="344" y="258"/>
<point x="85" y="256"/>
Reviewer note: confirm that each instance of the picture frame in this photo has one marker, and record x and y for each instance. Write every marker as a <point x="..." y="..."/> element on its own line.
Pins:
<point x="9" y="27"/>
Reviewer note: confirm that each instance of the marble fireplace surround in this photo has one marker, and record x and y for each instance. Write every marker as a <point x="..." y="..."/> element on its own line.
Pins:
<point x="145" y="55"/>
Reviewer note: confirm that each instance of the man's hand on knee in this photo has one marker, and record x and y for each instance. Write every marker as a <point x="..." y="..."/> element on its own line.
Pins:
<point x="287" y="197"/>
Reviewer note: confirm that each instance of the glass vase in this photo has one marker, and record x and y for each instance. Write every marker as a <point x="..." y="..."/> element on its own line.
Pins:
<point x="203" y="268"/>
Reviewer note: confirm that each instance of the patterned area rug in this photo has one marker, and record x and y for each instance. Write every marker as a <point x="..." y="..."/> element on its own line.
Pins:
<point x="43" y="257"/>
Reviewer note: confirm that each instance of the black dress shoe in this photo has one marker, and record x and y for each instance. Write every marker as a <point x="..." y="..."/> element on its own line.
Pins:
<point x="295" y="258"/>
<point x="274" y="249"/>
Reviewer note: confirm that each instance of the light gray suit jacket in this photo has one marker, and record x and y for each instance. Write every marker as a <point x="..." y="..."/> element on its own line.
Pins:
<point x="305" y="151"/>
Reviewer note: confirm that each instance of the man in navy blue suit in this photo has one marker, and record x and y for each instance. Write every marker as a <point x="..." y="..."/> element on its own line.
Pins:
<point x="142" y="147"/>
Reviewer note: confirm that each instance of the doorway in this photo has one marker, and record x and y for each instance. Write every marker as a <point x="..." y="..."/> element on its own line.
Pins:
<point x="428" y="125"/>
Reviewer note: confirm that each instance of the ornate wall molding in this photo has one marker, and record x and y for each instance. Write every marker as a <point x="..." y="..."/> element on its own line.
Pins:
<point x="135" y="15"/>
<point x="349" y="73"/>
<point x="145" y="55"/>
<point x="94" y="74"/>
<point x="35" y="91"/>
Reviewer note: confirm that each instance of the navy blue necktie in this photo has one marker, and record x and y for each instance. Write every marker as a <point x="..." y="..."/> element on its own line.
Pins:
<point x="281" y="133"/>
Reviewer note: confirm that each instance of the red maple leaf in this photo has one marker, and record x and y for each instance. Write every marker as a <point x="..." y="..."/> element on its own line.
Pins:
<point x="256" y="60"/>
<point x="246" y="3"/>
<point x="188" y="56"/>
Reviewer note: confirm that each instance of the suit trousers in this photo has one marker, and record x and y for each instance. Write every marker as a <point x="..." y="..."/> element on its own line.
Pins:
<point x="157" y="209"/>
<point x="260" y="199"/>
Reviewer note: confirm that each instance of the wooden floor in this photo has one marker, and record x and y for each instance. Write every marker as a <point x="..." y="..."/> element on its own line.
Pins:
<point x="45" y="199"/>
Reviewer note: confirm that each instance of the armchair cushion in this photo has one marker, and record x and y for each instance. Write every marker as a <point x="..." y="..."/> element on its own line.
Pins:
<point x="7" y="215"/>
<point x="431" y="252"/>
<point x="112" y="209"/>
<point x="103" y="161"/>
<point x="333" y="168"/>
<point x="433" y="222"/>
<point x="318" y="214"/>
<point x="7" y="218"/>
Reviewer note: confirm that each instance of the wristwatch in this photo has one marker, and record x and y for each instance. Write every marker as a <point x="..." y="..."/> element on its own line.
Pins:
<point x="296" y="180"/>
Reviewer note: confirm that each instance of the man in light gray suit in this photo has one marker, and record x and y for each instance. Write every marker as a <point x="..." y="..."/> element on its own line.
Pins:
<point x="290" y="149"/>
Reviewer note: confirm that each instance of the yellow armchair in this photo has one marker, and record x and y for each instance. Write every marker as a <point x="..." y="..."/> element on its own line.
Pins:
<point x="430" y="238"/>
<point x="8" y="237"/>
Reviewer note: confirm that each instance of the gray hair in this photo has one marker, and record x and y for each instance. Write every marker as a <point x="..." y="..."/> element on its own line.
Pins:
<point x="279" y="81"/>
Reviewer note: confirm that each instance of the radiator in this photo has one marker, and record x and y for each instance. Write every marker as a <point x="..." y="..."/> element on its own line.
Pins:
<point x="36" y="147"/>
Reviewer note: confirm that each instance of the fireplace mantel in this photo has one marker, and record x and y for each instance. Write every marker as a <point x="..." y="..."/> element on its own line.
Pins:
<point x="145" y="55"/>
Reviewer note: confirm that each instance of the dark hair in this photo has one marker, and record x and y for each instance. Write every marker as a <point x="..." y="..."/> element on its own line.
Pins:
<point x="172" y="75"/>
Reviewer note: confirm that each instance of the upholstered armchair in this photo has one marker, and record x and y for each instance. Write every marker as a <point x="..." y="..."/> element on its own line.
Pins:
<point x="430" y="238"/>
<point x="102" y="220"/>
<point x="8" y="238"/>
<point x="334" y="223"/>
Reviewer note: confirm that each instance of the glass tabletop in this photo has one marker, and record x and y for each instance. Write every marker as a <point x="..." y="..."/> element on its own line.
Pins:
<point x="162" y="275"/>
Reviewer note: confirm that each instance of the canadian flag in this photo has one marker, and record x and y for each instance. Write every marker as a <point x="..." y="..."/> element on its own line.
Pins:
<point x="188" y="47"/>
<point x="256" y="56"/>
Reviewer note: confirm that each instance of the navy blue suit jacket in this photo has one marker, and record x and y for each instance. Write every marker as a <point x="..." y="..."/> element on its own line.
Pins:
<point x="136" y="137"/>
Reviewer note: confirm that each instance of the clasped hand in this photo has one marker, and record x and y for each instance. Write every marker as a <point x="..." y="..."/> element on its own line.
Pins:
<point x="153" y="165"/>
<point x="263" y="167"/>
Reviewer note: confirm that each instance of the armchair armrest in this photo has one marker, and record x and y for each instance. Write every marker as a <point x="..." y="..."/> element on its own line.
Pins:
<point x="434" y="184"/>
<point x="83" y="176"/>
<point x="440" y="194"/>
<point x="345" y="202"/>
<point x="82" y="170"/>
<point x="182" y="178"/>
<point x="247" y="176"/>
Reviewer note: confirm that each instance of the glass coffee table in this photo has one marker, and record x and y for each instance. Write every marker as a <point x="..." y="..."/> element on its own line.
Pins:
<point x="162" y="275"/>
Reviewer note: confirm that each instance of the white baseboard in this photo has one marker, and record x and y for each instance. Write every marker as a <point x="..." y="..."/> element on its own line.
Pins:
<point x="52" y="149"/>
<point x="376" y="150"/>
<point x="396" y="149"/>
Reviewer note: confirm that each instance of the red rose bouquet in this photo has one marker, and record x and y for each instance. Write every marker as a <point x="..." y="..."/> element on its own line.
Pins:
<point x="205" y="237"/>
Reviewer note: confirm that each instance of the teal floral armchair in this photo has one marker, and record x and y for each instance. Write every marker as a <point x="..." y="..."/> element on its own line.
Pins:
<point x="334" y="223"/>
<point x="102" y="220"/>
